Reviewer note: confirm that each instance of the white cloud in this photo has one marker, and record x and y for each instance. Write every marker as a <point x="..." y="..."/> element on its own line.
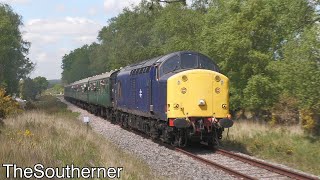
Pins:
<point x="66" y="26"/>
<point x="116" y="6"/>
<point x="52" y="38"/>
<point x="41" y="57"/>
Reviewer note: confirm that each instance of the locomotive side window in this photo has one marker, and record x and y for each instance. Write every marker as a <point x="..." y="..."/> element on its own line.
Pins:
<point x="170" y="65"/>
<point x="148" y="69"/>
<point x="189" y="60"/>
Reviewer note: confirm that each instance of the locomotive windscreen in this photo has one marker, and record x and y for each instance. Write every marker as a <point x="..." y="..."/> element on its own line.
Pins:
<point x="187" y="61"/>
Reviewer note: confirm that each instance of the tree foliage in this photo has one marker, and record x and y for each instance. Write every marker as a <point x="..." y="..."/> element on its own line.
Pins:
<point x="41" y="84"/>
<point x="30" y="88"/>
<point x="14" y="64"/>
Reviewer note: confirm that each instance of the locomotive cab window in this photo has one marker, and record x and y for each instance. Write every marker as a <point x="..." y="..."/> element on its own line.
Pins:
<point x="170" y="65"/>
<point x="206" y="63"/>
<point x="189" y="61"/>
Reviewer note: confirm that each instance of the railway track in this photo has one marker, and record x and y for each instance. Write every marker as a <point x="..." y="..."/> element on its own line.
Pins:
<point x="276" y="172"/>
<point x="267" y="166"/>
<point x="270" y="171"/>
<point x="215" y="164"/>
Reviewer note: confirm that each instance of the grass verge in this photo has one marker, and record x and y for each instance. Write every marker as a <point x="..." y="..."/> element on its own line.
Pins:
<point x="285" y="145"/>
<point x="51" y="135"/>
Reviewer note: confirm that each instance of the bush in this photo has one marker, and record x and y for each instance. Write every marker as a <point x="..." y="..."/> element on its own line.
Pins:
<point x="310" y="122"/>
<point x="7" y="105"/>
<point x="286" y="111"/>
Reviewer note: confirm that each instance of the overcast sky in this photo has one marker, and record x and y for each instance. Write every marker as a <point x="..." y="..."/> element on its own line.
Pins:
<point x="55" y="27"/>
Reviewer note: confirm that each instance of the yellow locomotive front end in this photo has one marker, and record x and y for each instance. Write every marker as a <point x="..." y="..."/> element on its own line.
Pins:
<point x="198" y="101"/>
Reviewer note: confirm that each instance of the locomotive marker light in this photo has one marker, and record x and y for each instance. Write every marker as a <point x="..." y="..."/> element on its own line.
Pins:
<point x="217" y="90"/>
<point x="224" y="106"/>
<point x="183" y="90"/>
<point x="184" y="78"/>
<point x="217" y="78"/>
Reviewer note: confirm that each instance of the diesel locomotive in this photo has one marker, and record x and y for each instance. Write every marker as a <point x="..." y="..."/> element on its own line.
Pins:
<point x="179" y="98"/>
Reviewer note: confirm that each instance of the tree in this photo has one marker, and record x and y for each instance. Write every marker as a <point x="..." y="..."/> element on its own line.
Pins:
<point x="246" y="36"/>
<point x="76" y="64"/>
<point x="41" y="84"/>
<point x="28" y="89"/>
<point x="14" y="64"/>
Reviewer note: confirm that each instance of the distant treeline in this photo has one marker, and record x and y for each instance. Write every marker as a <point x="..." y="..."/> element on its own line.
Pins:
<point x="269" y="49"/>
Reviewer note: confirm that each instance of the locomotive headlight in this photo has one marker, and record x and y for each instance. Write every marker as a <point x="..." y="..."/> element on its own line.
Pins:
<point x="183" y="90"/>
<point x="217" y="90"/>
<point x="202" y="102"/>
<point x="217" y="78"/>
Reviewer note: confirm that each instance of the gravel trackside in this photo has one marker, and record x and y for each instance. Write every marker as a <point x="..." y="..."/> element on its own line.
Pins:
<point x="162" y="161"/>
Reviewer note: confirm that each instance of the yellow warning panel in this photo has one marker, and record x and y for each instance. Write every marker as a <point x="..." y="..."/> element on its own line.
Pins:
<point x="198" y="93"/>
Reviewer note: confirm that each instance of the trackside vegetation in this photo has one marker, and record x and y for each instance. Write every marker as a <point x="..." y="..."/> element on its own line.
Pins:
<point x="285" y="145"/>
<point x="7" y="105"/>
<point x="269" y="49"/>
<point x="52" y="135"/>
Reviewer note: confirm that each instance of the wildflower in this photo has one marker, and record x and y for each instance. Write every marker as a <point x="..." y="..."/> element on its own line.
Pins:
<point x="27" y="133"/>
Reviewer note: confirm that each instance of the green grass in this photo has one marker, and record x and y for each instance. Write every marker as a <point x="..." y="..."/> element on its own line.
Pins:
<point x="285" y="145"/>
<point x="53" y="136"/>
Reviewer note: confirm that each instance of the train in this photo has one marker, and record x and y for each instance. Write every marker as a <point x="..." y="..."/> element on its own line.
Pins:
<point x="180" y="98"/>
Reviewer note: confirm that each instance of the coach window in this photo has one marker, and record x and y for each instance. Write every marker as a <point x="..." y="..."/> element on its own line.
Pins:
<point x="189" y="60"/>
<point x="170" y="65"/>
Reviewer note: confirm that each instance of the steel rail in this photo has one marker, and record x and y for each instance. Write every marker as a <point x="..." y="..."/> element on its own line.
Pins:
<point x="267" y="166"/>
<point x="217" y="165"/>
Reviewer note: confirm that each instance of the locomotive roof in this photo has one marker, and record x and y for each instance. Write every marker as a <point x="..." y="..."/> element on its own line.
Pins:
<point x="155" y="60"/>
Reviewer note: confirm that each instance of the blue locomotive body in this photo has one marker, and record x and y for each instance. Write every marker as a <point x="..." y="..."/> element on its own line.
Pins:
<point x="139" y="92"/>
